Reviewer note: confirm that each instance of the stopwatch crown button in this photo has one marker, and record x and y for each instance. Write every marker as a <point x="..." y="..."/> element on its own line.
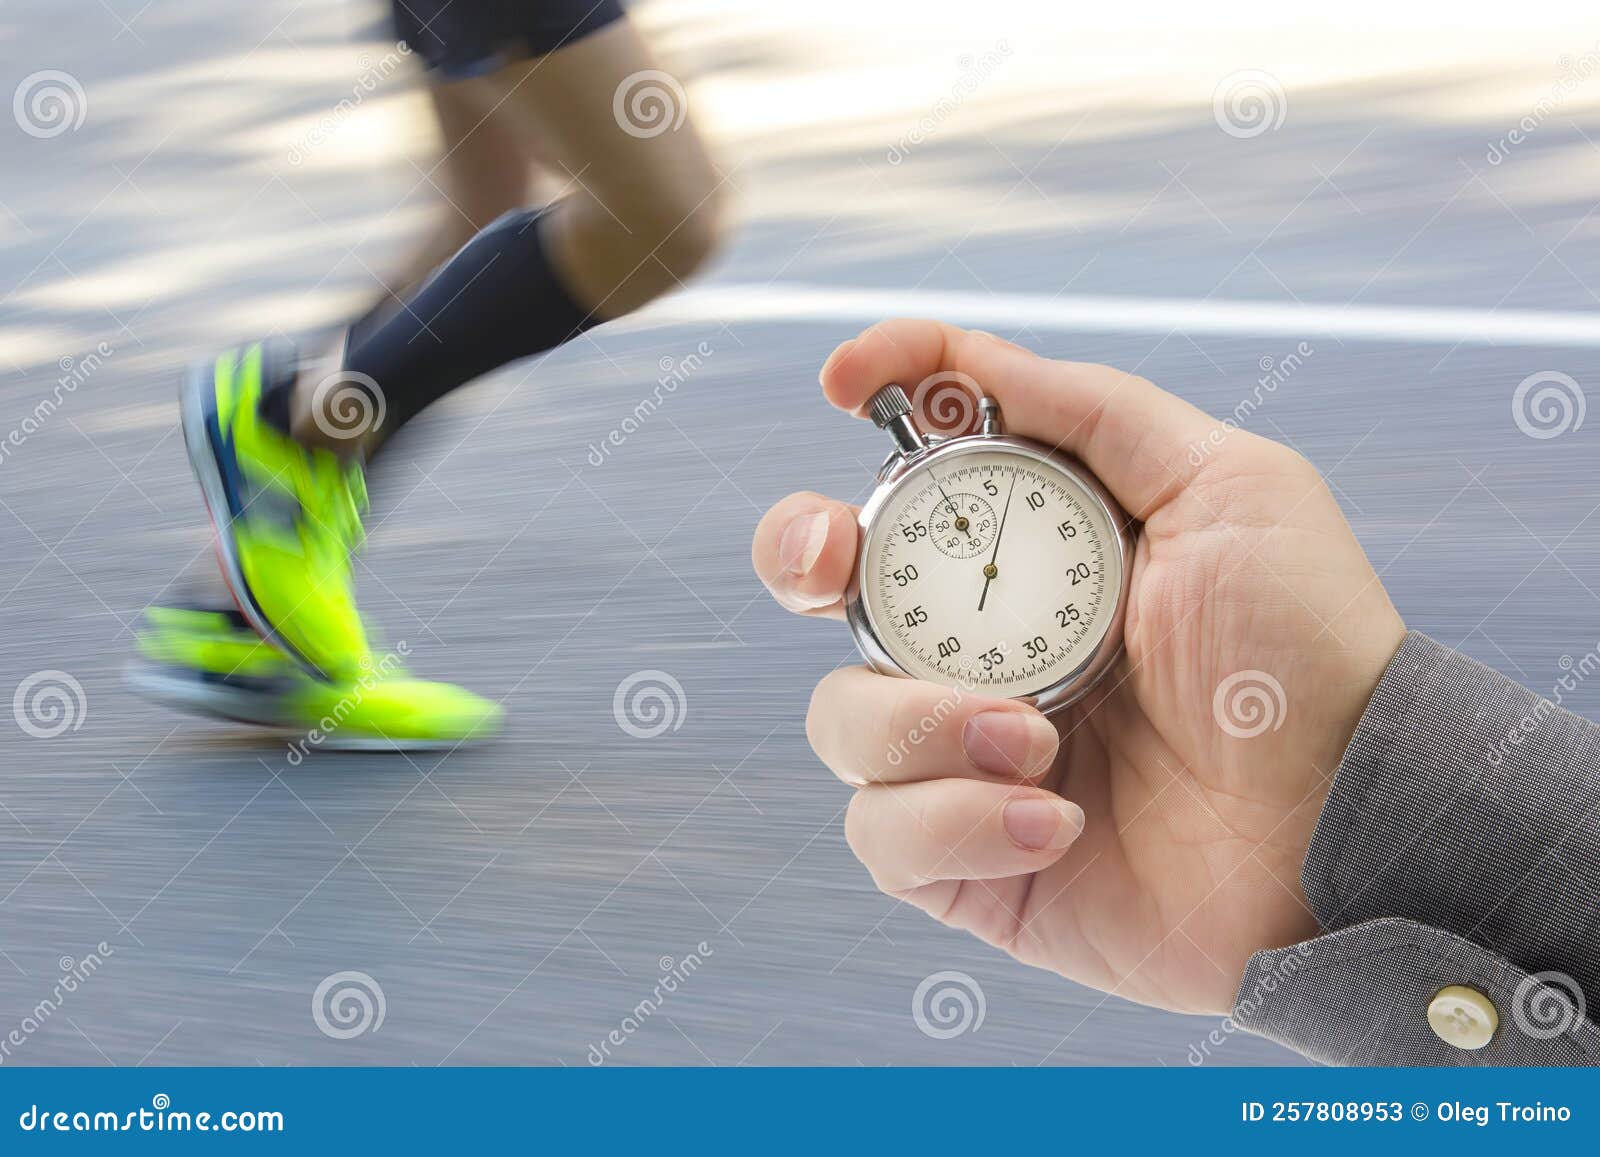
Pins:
<point x="989" y="417"/>
<point x="891" y="411"/>
<point x="888" y="404"/>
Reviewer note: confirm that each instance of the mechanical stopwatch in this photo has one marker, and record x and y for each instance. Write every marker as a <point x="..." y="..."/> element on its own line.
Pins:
<point x="988" y="562"/>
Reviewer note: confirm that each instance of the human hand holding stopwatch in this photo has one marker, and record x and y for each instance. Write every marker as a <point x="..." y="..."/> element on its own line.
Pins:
<point x="1146" y="837"/>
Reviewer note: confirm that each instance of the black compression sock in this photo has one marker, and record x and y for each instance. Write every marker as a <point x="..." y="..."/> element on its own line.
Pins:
<point x="279" y="368"/>
<point x="495" y="301"/>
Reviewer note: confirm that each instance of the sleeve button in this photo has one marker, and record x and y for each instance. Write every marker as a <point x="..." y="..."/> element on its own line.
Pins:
<point x="1462" y="1017"/>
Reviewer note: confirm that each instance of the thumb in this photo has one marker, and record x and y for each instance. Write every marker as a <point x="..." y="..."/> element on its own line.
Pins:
<point x="1136" y="437"/>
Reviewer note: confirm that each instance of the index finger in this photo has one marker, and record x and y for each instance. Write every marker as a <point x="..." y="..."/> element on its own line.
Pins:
<point x="1135" y="436"/>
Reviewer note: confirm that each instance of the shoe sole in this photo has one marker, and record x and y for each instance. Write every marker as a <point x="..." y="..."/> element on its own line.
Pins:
<point x="203" y="460"/>
<point x="379" y="744"/>
<point x="213" y="700"/>
<point x="233" y="705"/>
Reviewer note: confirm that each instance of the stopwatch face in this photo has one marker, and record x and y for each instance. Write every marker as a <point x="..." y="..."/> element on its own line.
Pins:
<point x="991" y="569"/>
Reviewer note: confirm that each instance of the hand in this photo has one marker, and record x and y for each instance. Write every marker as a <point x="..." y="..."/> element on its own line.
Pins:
<point x="1147" y="840"/>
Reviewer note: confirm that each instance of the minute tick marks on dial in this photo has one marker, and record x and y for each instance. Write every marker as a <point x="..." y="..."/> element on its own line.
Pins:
<point x="1053" y="626"/>
<point x="961" y="522"/>
<point x="1042" y="617"/>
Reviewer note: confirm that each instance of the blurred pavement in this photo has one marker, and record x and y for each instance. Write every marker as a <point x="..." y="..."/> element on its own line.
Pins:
<point x="515" y="903"/>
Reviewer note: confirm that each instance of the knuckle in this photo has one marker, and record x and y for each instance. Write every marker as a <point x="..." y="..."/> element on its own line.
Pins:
<point x="1280" y="457"/>
<point x="816" y="711"/>
<point x="901" y="719"/>
<point x="857" y="822"/>
<point x="915" y="721"/>
<point x="822" y="729"/>
<point x="891" y="843"/>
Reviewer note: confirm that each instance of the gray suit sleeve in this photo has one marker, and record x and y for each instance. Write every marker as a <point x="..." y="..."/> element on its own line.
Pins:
<point x="1459" y="845"/>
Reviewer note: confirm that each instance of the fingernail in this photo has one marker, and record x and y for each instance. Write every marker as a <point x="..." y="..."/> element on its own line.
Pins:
<point x="799" y="602"/>
<point x="799" y="547"/>
<point x="1009" y="742"/>
<point x="1042" y="825"/>
<point x="801" y="543"/>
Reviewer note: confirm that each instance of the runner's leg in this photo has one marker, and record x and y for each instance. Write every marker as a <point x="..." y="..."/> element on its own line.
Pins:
<point x="485" y="168"/>
<point x="644" y="200"/>
<point x="639" y="215"/>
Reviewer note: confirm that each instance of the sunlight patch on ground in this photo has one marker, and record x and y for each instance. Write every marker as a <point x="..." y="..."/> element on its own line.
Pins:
<point x="903" y="115"/>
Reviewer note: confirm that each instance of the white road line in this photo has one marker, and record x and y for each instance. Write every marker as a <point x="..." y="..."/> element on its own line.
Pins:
<point x="1075" y="314"/>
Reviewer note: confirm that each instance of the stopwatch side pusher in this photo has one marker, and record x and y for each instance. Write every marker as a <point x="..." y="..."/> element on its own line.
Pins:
<point x="891" y="412"/>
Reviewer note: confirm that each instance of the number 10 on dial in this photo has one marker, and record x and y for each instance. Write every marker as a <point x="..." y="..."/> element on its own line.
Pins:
<point x="988" y="562"/>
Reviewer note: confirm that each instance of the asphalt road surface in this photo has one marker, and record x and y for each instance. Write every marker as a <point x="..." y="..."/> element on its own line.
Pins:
<point x="515" y="903"/>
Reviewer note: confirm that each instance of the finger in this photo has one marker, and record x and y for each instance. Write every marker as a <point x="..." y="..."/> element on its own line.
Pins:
<point x="1136" y="437"/>
<point x="912" y="834"/>
<point x="804" y="551"/>
<point x="871" y="728"/>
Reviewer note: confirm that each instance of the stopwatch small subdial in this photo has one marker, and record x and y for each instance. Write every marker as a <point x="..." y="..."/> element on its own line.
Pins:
<point x="961" y="525"/>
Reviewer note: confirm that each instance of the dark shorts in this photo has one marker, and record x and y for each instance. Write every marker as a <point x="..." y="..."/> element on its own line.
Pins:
<point x="463" y="38"/>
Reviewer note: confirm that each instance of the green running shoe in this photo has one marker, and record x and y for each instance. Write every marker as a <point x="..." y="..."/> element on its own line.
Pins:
<point x="212" y="663"/>
<point x="288" y="517"/>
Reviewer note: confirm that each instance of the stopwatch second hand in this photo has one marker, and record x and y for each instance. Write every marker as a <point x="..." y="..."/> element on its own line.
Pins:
<point x="991" y="570"/>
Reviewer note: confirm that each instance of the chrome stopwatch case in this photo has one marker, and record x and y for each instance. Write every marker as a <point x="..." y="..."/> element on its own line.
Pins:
<point x="988" y="562"/>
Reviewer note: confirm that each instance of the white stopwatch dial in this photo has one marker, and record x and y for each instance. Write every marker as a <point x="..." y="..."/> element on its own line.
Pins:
<point x="989" y="563"/>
